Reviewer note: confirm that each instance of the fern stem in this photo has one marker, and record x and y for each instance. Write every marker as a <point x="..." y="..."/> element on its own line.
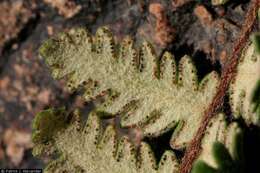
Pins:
<point x="228" y="73"/>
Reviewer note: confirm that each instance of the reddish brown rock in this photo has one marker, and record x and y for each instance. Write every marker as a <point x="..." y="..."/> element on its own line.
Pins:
<point x="14" y="15"/>
<point x="66" y="8"/>
<point x="204" y="15"/>
<point x="164" y="33"/>
<point x="179" y="3"/>
<point x="16" y="143"/>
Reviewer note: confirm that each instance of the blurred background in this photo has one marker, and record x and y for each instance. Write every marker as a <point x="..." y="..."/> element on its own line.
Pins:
<point x="194" y="27"/>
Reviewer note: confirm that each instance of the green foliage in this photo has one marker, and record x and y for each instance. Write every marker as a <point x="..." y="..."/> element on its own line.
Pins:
<point x="87" y="147"/>
<point x="202" y="167"/>
<point x="222" y="149"/>
<point x="256" y="41"/>
<point x="256" y="92"/>
<point x="225" y="163"/>
<point x="256" y="99"/>
<point x="148" y="93"/>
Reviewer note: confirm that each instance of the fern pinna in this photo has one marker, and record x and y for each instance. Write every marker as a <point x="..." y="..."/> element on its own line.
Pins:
<point x="151" y="94"/>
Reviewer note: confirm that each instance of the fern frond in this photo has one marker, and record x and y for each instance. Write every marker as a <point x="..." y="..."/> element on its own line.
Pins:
<point x="243" y="86"/>
<point x="155" y="95"/>
<point x="90" y="148"/>
<point x="222" y="148"/>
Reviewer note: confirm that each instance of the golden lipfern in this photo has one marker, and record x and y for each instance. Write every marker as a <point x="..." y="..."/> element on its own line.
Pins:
<point x="87" y="147"/>
<point x="242" y="89"/>
<point x="154" y="95"/>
